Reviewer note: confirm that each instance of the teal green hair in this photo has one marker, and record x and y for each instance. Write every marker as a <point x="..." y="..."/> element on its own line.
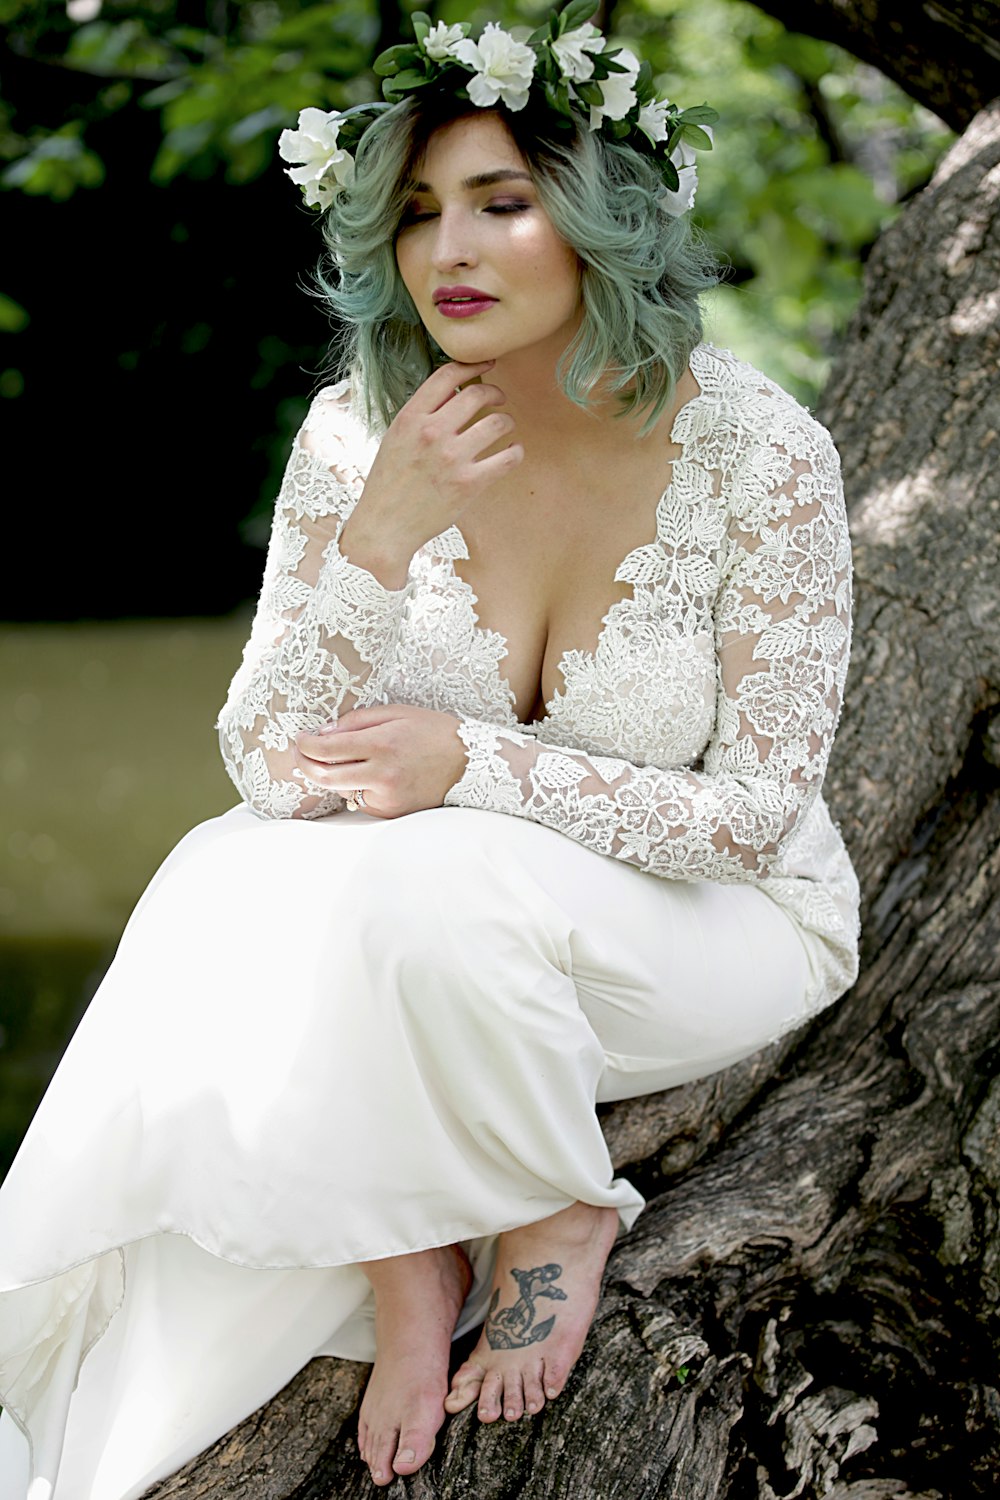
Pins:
<point x="641" y="270"/>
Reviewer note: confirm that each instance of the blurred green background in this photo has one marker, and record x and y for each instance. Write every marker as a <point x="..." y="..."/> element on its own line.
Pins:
<point x="157" y="351"/>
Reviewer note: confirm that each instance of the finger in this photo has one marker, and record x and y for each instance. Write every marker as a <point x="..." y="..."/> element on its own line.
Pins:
<point x="440" y="387"/>
<point x="330" y="772"/>
<point x="366" y="718"/>
<point x="490" y="428"/>
<point x="328" y="749"/>
<point x="348" y="747"/>
<point x="498" y="464"/>
<point x="466" y="403"/>
<point x="344" y="780"/>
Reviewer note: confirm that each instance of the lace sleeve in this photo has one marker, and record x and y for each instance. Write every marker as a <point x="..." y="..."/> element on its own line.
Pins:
<point x="782" y="634"/>
<point x="323" y="627"/>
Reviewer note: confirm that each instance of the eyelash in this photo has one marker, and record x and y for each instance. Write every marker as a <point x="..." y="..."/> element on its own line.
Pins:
<point x="412" y="217"/>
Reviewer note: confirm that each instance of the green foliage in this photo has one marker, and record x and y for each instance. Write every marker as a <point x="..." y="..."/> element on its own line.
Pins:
<point x="814" y="150"/>
<point x="55" y="165"/>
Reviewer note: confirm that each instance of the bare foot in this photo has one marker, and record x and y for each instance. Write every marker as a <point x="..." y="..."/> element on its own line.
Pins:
<point x="545" y="1291"/>
<point x="417" y="1302"/>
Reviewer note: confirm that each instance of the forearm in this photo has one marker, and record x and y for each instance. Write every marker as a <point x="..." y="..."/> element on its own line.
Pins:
<point x="322" y="633"/>
<point x="677" y="824"/>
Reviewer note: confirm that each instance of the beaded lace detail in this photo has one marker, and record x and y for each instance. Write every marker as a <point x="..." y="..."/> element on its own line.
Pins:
<point x="692" y="742"/>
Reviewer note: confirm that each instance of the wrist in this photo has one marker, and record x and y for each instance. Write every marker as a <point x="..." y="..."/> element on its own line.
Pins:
<point x="388" y="563"/>
<point x="458" y="759"/>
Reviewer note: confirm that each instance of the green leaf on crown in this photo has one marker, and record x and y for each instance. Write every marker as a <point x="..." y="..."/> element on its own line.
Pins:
<point x="590" y="93"/>
<point x="395" y="59"/>
<point x="644" y="90"/>
<point x="575" y="14"/>
<point x="403" y="83"/>
<point x="696" y="137"/>
<point x="699" y="114"/>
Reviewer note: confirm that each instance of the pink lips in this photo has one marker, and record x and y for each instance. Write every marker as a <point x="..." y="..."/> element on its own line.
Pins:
<point x="461" y="301"/>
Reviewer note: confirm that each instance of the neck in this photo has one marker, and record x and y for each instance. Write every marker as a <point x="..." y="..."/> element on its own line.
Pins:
<point x="543" y="413"/>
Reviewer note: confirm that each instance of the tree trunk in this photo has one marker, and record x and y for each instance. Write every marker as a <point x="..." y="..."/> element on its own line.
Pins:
<point x="810" y="1303"/>
<point x="946" y="53"/>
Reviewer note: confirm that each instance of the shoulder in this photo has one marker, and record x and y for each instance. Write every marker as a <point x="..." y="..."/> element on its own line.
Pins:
<point x="754" y="409"/>
<point x="767" y="444"/>
<point x="335" y="432"/>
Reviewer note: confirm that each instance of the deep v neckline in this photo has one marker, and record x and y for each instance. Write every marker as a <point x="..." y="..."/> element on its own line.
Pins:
<point x="451" y="547"/>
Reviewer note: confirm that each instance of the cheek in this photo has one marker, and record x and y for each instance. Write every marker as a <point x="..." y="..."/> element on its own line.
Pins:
<point x="406" y="263"/>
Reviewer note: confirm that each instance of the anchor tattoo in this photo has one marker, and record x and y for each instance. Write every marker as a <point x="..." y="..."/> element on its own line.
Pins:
<point x="511" y="1327"/>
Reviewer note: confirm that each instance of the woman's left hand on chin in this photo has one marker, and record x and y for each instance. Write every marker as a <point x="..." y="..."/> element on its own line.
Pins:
<point x="402" y="757"/>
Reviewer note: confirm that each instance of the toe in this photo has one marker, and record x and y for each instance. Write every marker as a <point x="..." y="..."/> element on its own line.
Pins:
<point x="513" y="1396"/>
<point x="554" y="1379"/>
<point x="415" y="1448"/>
<point x="380" y="1454"/>
<point x="465" y="1388"/>
<point x="490" y="1397"/>
<point x="534" y="1396"/>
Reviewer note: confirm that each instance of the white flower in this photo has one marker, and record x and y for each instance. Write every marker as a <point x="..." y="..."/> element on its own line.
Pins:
<point x="653" y="119"/>
<point x="83" y="10"/>
<point x="323" y="164"/>
<point x="503" y="68"/>
<point x="683" y="157"/>
<point x="617" y="91"/>
<point x="572" y="51"/>
<point x="441" y="41"/>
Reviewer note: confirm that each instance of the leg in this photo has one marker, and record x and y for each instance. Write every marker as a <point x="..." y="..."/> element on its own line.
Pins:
<point x="418" y="1299"/>
<point x="545" y="1292"/>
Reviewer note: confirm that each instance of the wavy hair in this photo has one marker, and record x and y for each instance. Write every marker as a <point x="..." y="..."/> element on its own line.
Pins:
<point x="641" y="270"/>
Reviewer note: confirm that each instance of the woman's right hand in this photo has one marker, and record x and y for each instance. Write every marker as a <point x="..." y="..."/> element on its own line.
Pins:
<point x="428" y="469"/>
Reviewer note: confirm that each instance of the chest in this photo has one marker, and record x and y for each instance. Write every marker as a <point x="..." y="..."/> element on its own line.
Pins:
<point x="541" y="565"/>
<point x="584" y="605"/>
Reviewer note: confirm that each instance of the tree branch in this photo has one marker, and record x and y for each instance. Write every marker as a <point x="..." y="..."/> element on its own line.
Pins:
<point x="944" y="53"/>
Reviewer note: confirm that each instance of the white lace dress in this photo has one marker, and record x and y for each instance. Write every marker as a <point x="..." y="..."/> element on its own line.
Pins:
<point x="328" y="1038"/>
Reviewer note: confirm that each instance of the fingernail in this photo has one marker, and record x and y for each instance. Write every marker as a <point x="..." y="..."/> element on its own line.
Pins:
<point x="326" y="728"/>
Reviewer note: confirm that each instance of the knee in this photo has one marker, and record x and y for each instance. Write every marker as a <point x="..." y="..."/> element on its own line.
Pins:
<point x="448" y="888"/>
<point x="419" y="877"/>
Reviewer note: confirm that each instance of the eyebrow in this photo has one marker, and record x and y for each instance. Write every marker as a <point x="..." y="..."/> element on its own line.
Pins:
<point x="483" y="179"/>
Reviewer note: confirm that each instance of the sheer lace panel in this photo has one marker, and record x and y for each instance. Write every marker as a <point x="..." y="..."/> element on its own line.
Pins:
<point x="781" y="624"/>
<point x="716" y="686"/>
<point x="322" y="628"/>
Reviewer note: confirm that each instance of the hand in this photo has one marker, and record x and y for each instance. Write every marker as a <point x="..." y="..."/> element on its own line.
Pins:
<point x="428" y="469"/>
<point x="405" y="758"/>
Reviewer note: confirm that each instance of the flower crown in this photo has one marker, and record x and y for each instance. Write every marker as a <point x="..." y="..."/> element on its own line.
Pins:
<point x="565" y="63"/>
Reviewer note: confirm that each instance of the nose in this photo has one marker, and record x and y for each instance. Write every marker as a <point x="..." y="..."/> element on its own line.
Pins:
<point x="453" y="242"/>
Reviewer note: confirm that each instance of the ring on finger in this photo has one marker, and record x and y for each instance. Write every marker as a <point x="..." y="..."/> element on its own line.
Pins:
<point x="356" y="800"/>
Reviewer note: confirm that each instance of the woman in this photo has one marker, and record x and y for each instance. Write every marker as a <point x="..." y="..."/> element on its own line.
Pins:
<point x="546" y="556"/>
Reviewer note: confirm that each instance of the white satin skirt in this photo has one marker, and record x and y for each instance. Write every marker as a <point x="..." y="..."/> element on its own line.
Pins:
<point x="324" y="1043"/>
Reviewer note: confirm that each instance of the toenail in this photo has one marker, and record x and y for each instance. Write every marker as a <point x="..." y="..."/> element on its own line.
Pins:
<point x="551" y="1392"/>
<point x="407" y="1455"/>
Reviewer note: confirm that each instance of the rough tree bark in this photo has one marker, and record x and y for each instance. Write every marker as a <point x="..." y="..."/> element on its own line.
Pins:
<point x="810" y="1303"/>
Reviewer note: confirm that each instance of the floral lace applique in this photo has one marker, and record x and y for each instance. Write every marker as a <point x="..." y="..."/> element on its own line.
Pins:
<point x="692" y="742"/>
